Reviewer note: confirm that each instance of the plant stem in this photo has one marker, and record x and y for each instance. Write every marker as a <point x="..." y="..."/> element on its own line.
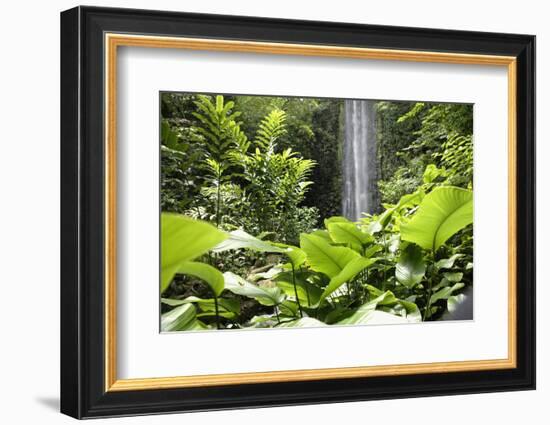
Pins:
<point x="277" y="314"/>
<point x="386" y="259"/>
<point x="296" y="290"/>
<point x="307" y="295"/>
<point x="218" y="201"/>
<point x="429" y="293"/>
<point x="217" y="312"/>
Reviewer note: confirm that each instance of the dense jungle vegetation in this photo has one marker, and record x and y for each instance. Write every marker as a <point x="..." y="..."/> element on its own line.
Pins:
<point x="252" y="233"/>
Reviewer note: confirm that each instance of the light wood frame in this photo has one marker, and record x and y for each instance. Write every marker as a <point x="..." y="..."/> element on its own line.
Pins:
<point x="113" y="41"/>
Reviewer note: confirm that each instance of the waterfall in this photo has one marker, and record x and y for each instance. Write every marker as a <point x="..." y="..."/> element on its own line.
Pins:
<point x="360" y="168"/>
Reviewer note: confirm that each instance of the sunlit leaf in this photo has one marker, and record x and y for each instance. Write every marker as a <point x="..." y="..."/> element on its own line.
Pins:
<point x="442" y="213"/>
<point x="350" y="270"/>
<point x="445" y="293"/>
<point x="184" y="239"/>
<point x="448" y="263"/>
<point x="265" y="296"/>
<point x="212" y="276"/>
<point x="308" y="293"/>
<point x="182" y="318"/>
<point x="304" y="322"/>
<point x="367" y="314"/>
<point x="207" y="304"/>
<point x="239" y="239"/>
<point x="453" y="277"/>
<point x="349" y="233"/>
<point x="325" y="258"/>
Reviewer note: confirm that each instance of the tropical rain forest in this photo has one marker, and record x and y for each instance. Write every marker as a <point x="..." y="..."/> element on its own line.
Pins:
<point x="283" y="212"/>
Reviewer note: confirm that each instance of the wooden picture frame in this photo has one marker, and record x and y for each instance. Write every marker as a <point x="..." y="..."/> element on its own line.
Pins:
<point x="90" y="38"/>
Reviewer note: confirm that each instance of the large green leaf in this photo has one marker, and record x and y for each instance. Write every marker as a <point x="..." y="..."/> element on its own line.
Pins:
<point x="240" y="286"/>
<point x="335" y="219"/>
<point x="212" y="276"/>
<point x="446" y="292"/>
<point x="350" y="270"/>
<point x="448" y="263"/>
<point x="442" y="213"/>
<point x="239" y="239"/>
<point x="348" y="233"/>
<point x="209" y="304"/>
<point x="325" y="258"/>
<point x="304" y="322"/>
<point x="367" y="314"/>
<point x="308" y="293"/>
<point x="406" y="201"/>
<point x="389" y="303"/>
<point x="322" y="234"/>
<point x="411" y="267"/>
<point x="296" y="256"/>
<point x="182" y="318"/>
<point x="184" y="239"/>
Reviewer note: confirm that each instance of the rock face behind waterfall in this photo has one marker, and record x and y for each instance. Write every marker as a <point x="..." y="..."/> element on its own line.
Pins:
<point x="360" y="168"/>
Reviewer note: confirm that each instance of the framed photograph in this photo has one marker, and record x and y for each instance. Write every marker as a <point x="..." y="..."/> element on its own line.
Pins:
<point x="261" y="212"/>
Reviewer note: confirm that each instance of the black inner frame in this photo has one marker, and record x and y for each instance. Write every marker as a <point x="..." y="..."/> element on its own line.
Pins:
<point x="82" y="212"/>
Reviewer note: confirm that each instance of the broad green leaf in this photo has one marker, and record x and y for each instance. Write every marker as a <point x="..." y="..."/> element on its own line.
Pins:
<point x="296" y="256"/>
<point x="406" y="201"/>
<point x="267" y="275"/>
<point x="448" y="263"/>
<point x="212" y="276"/>
<point x="184" y="239"/>
<point x="336" y="219"/>
<point x="262" y="321"/>
<point x="378" y="317"/>
<point x="374" y="227"/>
<point x="212" y="313"/>
<point x="325" y="258"/>
<point x="413" y="312"/>
<point x="308" y="293"/>
<point x="442" y="213"/>
<point x="445" y="293"/>
<point x="207" y="304"/>
<point x="322" y="234"/>
<point x="304" y="322"/>
<point x="348" y="233"/>
<point x="350" y="270"/>
<point x="388" y="301"/>
<point x="239" y="239"/>
<point x="182" y="318"/>
<point x="371" y="250"/>
<point x="442" y="283"/>
<point x="337" y="313"/>
<point x="432" y="172"/>
<point x="289" y="308"/>
<point x="265" y="296"/>
<point x="453" y="277"/>
<point x="368" y="315"/>
<point x="410" y="268"/>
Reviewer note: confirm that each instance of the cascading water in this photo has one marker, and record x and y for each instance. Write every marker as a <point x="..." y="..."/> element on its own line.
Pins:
<point x="360" y="159"/>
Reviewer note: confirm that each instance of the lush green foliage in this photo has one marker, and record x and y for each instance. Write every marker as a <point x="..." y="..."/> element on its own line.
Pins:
<point x="251" y="231"/>
<point x="413" y="137"/>
<point x="347" y="273"/>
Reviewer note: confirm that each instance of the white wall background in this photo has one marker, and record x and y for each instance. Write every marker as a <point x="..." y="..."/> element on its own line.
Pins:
<point x="29" y="212"/>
